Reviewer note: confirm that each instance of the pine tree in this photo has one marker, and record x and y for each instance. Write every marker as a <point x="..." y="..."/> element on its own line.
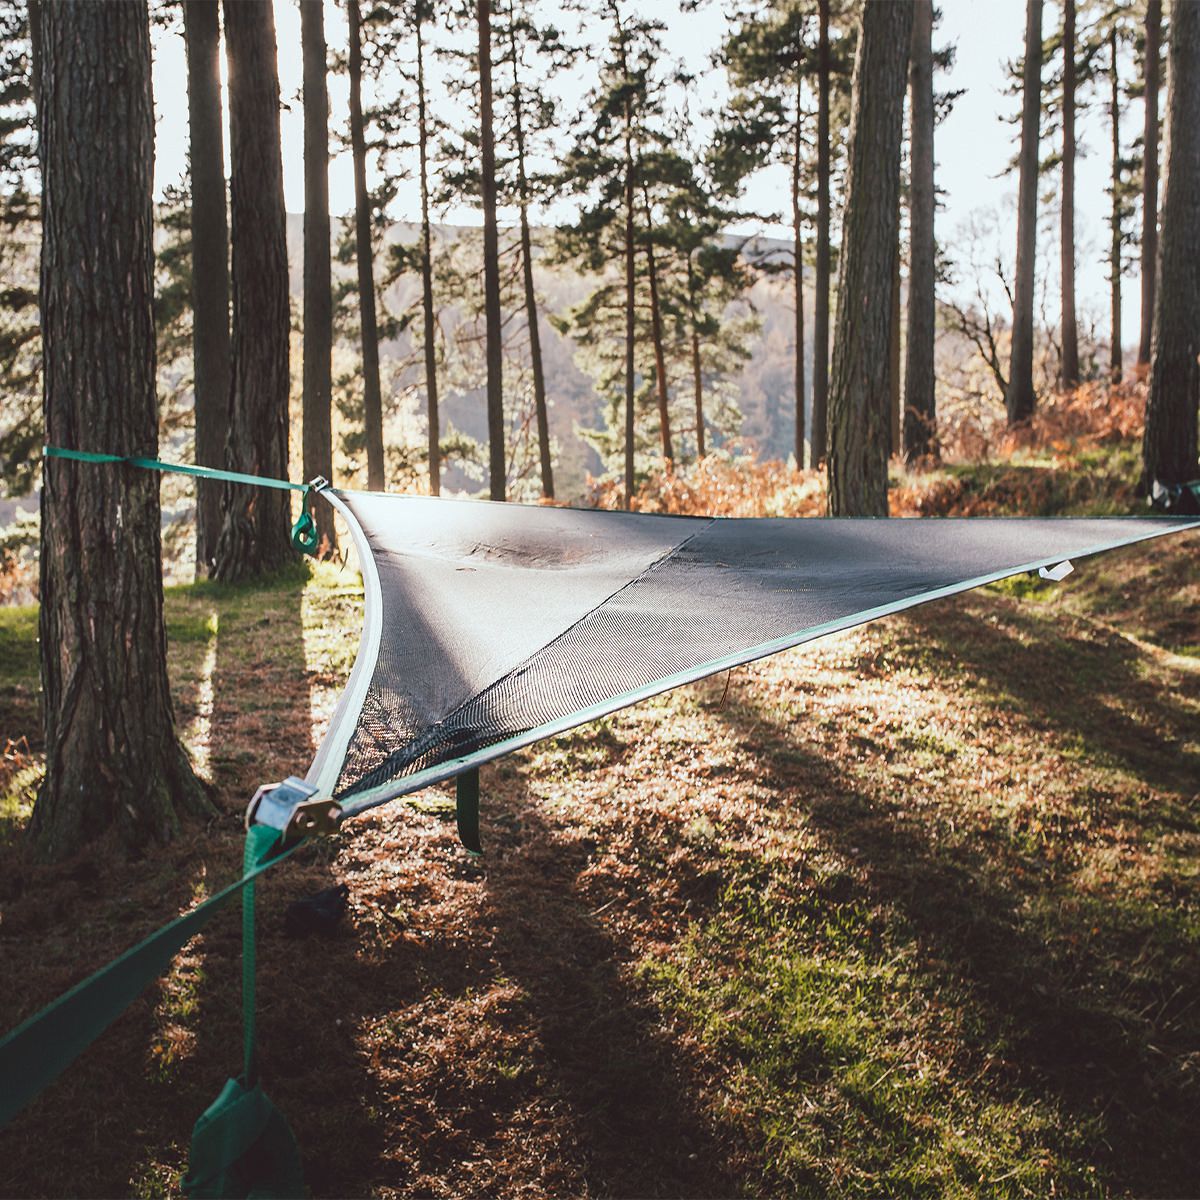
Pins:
<point x="112" y="757"/>
<point x="254" y="534"/>
<point x="859" y="435"/>
<point x="1070" y="330"/>
<point x="1151" y="54"/>
<point x="1169" y="446"/>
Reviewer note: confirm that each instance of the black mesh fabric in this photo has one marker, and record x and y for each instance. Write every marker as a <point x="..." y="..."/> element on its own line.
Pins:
<point x="502" y="619"/>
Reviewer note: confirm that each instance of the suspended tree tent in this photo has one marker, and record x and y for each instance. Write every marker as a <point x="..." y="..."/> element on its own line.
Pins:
<point x="487" y="627"/>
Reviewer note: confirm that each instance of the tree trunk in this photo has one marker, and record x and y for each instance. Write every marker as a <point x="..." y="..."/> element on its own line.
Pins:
<point x="660" y="358"/>
<point x="1070" y="331"/>
<point x="697" y="373"/>
<point x="858" y="385"/>
<point x="318" y="296"/>
<point x="893" y="388"/>
<point x="365" y="257"/>
<point x="1020" y="400"/>
<point x="112" y="758"/>
<point x="491" y="256"/>
<point x="431" y="380"/>
<point x="256" y="521"/>
<point x="35" y="57"/>
<point x="630" y="298"/>
<point x="920" y="415"/>
<point x="1150" y="175"/>
<point x="1169" y="446"/>
<point x="210" y="264"/>
<point x="820" y="402"/>
<point x="1116" y="359"/>
<point x="798" y="278"/>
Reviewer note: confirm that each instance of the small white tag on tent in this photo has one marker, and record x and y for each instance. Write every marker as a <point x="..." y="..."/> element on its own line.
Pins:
<point x="1058" y="573"/>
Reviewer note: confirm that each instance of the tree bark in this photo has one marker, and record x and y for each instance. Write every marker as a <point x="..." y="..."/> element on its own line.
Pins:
<point x="210" y="264"/>
<point x="697" y="373"/>
<point x="893" y="388"/>
<point x="1116" y="359"/>
<point x="365" y="259"/>
<point x="820" y="403"/>
<point x="1169" y="445"/>
<point x="920" y="414"/>
<point x="1020" y="400"/>
<point x="1150" y="175"/>
<point x="798" y="276"/>
<point x="112" y="757"/>
<point x="541" y="413"/>
<point x="431" y="379"/>
<point x="256" y="521"/>
<point x="491" y="257"/>
<point x="630" y="298"/>
<point x="318" y="294"/>
<point x="858" y="385"/>
<point x="1070" y="330"/>
<point x="660" y="358"/>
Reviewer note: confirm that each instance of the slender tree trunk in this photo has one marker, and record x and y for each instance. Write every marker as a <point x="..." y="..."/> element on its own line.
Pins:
<point x="35" y="57"/>
<point x="630" y="298"/>
<point x="920" y="414"/>
<point x="541" y="413"/>
<point x="1169" y="446"/>
<point x="1020" y="400"/>
<point x="798" y="277"/>
<point x="365" y="257"/>
<point x="820" y="403"/>
<point x="491" y="255"/>
<point x="318" y="293"/>
<point x="210" y="264"/>
<point x="1150" y="174"/>
<point x="1116" y="359"/>
<point x="112" y="758"/>
<point x="697" y="373"/>
<point x="431" y="380"/>
<point x="858" y="384"/>
<point x="1070" y="332"/>
<point x="893" y="388"/>
<point x="256" y="521"/>
<point x="660" y="358"/>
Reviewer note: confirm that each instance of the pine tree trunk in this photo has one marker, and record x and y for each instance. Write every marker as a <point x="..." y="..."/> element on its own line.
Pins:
<point x="697" y="373"/>
<point x="820" y="403"/>
<point x="210" y="264"/>
<point x="1070" y="331"/>
<point x="893" y="388"/>
<point x="365" y="260"/>
<point x="491" y="257"/>
<point x="1020" y="401"/>
<point x="798" y="280"/>
<point x="1150" y="175"/>
<point x="660" y="358"/>
<point x="630" y="298"/>
<point x="1116" y="359"/>
<point x="112" y="758"/>
<point x="858" y="384"/>
<point x="920" y="414"/>
<point x="256" y="521"/>
<point x="541" y="413"/>
<point x="1169" y="446"/>
<point x="431" y="380"/>
<point x="35" y="56"/>
<point x="318" y="295"/>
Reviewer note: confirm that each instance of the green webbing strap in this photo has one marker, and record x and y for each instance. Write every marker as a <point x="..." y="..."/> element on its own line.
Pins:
<point x="38" y="1051"/>
<point x="304" y="531"/>
<point x="466" y="809"/>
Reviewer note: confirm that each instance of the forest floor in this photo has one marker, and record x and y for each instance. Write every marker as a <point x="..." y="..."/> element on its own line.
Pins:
<point x="911" y="910"/>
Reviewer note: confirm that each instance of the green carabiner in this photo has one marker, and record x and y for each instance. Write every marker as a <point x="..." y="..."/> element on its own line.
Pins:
<point x="304" y="533"/>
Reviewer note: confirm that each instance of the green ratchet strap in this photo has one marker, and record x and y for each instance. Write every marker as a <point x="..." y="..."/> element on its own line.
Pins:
<point x="304" y="531"/>
<point x="38" y="1051"/>
<point x="466" y="809"/>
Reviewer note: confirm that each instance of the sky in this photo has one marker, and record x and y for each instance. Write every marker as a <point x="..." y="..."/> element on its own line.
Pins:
<point x="973" y="145"/>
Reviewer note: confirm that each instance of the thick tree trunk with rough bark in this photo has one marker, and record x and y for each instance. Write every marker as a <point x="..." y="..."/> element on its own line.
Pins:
<point x="433" y="414"/>
<point x="1116" y="361"/>
<point x="112" y="758"/>
<point x="1150" y="174"/>
<point x="920" y="416"/>
<point x="318" y="293"/>
<point x="210" y="264"/>
<point x="859" y="381"/>
<point x="364" y="253"/>
<point x="818" y="439"/>
<point x="1020" y="400"/>
<point x="630" y="298"/>
<point x="1070" y="331"/>
<point x="1169" y="445"/>
<point x="798" y="281"/>
<point x="660" y="357"/>
<point x="256" y="521"/>
<point x="541" y="413"/>
<point x="498" y="484"/>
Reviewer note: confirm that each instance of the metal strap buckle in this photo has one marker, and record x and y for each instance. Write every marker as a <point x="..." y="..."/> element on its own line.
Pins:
<point x="289" y="806"/>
